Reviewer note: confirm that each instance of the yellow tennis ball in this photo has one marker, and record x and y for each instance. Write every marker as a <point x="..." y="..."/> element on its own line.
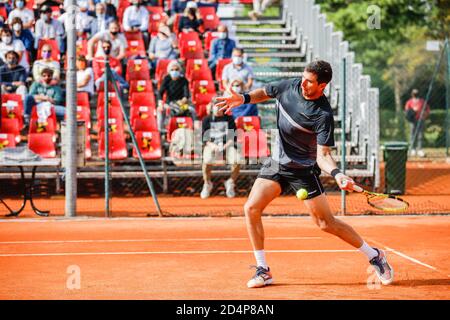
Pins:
<point x="302" y="194"/>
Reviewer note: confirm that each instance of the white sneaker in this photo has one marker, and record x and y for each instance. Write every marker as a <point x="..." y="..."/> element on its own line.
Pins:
<point x="413" y="153"/>
<point x="421" y="153"/>
<point x="229" y="188"/>
<point x="206" y="191"/>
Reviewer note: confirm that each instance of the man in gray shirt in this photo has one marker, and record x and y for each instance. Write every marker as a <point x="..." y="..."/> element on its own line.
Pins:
<point x="305" y="125"/>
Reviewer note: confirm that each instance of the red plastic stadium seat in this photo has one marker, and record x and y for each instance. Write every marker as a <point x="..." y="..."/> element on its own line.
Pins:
<point x="209" y="37"/>
<point x="195" y="65"/>
<point x="221" y="63"/>
<point x="113" y="100"/>
<point x="12" y="110"/>
<point x="43" y="127"/>
<point x="142" y="99"/>
<point x="115" y="123"/>
<point x="176" y="123"/>
<point x="157" y="16"/>
<point x="210" y="19"/>
<point x="161" y="70"/>
<point x="176" y="23"/>
<point x="192" y="50"/>
<point x="147" y="124"/>
<point x="200" y="72"/>
<point x="84" y="114"/>
<point x="142" y="112"/>
<point x="51" y="117"/>
<point x="56" y="54"/>
<point x="138" y="69"/>
<point x="42" y="144"/>
<point x="139" y="86"/>
<point x="185" y="37"/>
<point x="117" y="146"/>
<point x="136" y="48"/>
<point x="7" y="140"/>
<point x="203" y="87"/>
<point x="98" y="66"/>
<point x="11" y="126"/>
<point x="149" y="144"/>
<point x="248" y="123"/>
<point x="83" y="99"/>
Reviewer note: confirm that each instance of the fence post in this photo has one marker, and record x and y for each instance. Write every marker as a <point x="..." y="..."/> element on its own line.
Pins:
<point x="343" y="126"/>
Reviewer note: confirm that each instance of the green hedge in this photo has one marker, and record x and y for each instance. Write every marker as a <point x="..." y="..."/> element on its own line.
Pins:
<point x="394" y="128"/>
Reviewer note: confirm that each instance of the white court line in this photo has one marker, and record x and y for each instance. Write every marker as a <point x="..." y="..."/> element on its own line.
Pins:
<point x="161" y="253"/>
<point x="149" y="240"/>
<point x="406" y="256"/>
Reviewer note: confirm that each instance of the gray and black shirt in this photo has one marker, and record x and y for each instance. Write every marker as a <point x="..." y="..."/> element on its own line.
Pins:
<point x="302" y="124"/>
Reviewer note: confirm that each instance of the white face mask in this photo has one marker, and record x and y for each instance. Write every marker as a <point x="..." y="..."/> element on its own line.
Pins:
<point x="237" y="89"/>
<point x="17" y="27"/>
<point x="237" y="60"/>
<point x="222" y="35"/>
<point x="6" y="39"/>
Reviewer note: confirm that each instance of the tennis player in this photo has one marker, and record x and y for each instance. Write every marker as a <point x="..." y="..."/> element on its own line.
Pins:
<point x="305" y="136"/>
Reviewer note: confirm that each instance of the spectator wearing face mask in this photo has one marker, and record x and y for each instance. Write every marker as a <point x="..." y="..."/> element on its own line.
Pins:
<point x="113" y="35"/>
<point x="163" y="46"/>
<point x="238" y="69"/>
<point x="244" y="110"/>
<point x="21" y="11"/>
<point x="136" y="18"/>
<point x="46" y="62"/>
<point x="101" y="21"/>
<point x="8" y="44"/>
<point x="175" y="87"/>
<point x="83" y="19"/>
<point x="221" y="48"/>
<point x="45" y="91"/>
<point x="24" y="35"/>
<point x="219" y="145"/>
<point x="49" y="28"/>
<point x="99" y="67"/>
<point x="12" y="75"/>
<point x="110" y="5"/>
<point x="191" y="20"/>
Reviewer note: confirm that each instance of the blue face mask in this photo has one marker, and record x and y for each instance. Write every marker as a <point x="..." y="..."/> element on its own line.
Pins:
<point x="237" y="60"/>
<point x="174" y="74"/>
<point x="20" y="4"/>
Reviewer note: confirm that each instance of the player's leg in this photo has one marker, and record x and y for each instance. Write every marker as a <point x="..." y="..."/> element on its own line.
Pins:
<point x="323" y="217"/>
<point x="262" y="193"/>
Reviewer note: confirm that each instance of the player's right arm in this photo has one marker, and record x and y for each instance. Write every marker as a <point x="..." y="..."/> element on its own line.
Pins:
<point x="233" y="99"/>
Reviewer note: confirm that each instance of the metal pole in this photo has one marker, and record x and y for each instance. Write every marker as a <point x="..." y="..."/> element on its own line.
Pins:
<point x="447" y="105"/>
<point x="106" y="132"/>
<point x="343" y="126"/>
<point x="71" y="111"/>
<point x="136" y="146"/>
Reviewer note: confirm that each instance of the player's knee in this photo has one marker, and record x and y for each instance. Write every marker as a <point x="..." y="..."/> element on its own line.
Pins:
<point x="251" y="211"/>
<point x="326" y="225"/>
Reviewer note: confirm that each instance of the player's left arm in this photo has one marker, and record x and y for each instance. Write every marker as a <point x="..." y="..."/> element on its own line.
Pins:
<point x="327" y="164"/>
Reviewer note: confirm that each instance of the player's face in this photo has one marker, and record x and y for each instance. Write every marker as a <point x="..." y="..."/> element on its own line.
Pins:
<point x="311" y="89"/>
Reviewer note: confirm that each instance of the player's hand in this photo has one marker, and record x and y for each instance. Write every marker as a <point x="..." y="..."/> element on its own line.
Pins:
<point x="344" y="182"/>
<point x="230" y="101"/>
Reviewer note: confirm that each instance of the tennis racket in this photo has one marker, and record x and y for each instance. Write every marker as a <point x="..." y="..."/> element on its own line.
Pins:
<point x="381" y="201"/>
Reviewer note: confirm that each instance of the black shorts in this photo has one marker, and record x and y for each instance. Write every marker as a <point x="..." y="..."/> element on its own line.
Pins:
<point x="293" y="179"/>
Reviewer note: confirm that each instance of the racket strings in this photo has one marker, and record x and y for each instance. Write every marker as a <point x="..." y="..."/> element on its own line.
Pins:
<point x="387" y="203"/>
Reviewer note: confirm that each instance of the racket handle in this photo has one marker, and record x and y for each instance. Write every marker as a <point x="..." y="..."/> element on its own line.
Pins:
<point x="355" y="187"/>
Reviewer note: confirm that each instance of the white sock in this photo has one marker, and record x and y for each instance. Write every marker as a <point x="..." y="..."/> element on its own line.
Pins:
<point x="260" y="256"/>
<point x="368" y="251"/>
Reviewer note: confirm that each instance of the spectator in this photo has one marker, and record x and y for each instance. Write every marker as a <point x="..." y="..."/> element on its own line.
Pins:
<point x="45" y="91"/>
<point x="191" y="20"/>
<point x="113" y="35"/>
<point x="85" y="76"/>
<point x="414" y="108"/>
<point x="163" y="46"/>
<point x="46" y="62"/>
<point x="219" y="143"/>
<point x="49" y="28"/>
<point x="116" y="68"/>
<point x="136" y="18"/>
<point x="7" y="44"/>
<point x="24" y="35"/>
<point x="12" y="75"/>
<point x="259" y="6"/>
<point x="83" y="20"/>
<point x="221" y="48"/>
<point x="101" y="21"/>
<point x="178" y="7"/>
<point x="175" y="88"/>
<point x="244" y="110"/>
<point x="238" y="69"/>
<point x="21" y="11"/>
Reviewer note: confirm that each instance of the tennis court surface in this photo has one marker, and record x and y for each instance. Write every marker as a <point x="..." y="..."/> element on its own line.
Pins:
<point x="209" y="258"/>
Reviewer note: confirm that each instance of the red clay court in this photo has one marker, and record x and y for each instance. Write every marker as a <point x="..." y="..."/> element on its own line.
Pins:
<point x="209" y="258"/>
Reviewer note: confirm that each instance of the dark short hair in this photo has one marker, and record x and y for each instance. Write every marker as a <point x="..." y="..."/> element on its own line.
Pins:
<point x="16" y="55"/>
<point x="321" y="69"/>
<point x="47" y="71"/>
